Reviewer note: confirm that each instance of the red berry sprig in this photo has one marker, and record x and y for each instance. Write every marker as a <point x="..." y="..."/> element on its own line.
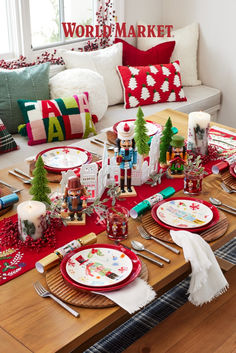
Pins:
<point x="9" y="235"/>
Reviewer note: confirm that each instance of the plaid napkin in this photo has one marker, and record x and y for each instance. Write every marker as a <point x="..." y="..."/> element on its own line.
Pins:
<point x="132" y="297"/>
<point x="207" y="280"/>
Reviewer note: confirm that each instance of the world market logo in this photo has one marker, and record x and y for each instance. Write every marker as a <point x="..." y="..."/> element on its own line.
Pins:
<point x="72" y="30"/>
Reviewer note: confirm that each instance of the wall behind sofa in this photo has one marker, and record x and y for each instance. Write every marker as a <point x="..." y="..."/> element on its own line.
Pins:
<point x="149" y="11"/>
<point x="217" y="46"/>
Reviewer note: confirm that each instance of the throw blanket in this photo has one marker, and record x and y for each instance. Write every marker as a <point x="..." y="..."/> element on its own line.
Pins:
<point x="207" y="280"/>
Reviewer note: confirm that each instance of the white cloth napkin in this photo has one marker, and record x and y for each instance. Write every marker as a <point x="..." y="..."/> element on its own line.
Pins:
<point x="132" y="297"/>
<point x="207" y="280"/>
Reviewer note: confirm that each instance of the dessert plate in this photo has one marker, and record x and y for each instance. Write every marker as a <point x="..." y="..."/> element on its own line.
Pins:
<point x="99" y="267"/>
<point x="111" y="278"/>
<point x="153" y="128"/>
<point x="58" y="159"/>
<point x="185" y="213"/>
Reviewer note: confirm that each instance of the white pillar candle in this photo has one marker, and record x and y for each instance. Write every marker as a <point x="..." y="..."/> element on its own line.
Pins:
<point x="31" y="219"/>
<point x="198" y="129"/>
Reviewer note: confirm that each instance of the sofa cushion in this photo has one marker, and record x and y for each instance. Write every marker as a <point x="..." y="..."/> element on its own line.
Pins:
<point x="144" y="85"/>
<point x="75" y="81"/>
<point x="160" y="54"/>
<point x="7" y="142"/>
<point x="186" y="47"/>
<point x="198" y="98"/>
<point x="103" y="61"/>
<point x="57" y="120"/>
<point x="26" y="83"/>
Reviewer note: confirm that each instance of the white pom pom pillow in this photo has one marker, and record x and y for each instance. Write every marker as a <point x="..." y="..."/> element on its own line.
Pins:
<point x="75" y="81"/>
<point x="103" y="61"/>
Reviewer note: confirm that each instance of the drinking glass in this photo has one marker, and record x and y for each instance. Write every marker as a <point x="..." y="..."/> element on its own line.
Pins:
<point x="192" y="182"/>
<point x="117" y="223"/>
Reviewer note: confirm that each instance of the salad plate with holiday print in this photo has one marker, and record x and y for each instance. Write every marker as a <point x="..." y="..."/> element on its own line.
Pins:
<point x="101" y="267"/>
<point x="185" y="213"/>
<point x="152" y="127"/>
<point x="58" y="159"/>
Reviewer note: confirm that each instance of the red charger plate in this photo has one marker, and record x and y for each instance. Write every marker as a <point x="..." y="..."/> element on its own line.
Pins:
<point x="159" y="127"/>
<point x="135" y="271"/>
<point x="232" y="170"/>
<point x="215" y="211"/>
<point x="59" y="170"/>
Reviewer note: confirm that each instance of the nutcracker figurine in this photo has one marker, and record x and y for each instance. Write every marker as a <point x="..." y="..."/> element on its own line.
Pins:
<point x="126" y="154"/>
<point x="75" y="199"/>
<point x="176" y="156"/>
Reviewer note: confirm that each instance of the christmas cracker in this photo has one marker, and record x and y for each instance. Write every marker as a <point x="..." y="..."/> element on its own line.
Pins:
<point x="223" y="165"/>
<point x="55" y="258"/>
<point x="8" y="200"/>
<point x="147" y="204"/>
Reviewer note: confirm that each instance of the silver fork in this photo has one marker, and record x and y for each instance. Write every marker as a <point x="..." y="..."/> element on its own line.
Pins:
<point x="144" y="234"/>
<point x="225" y="188"/>
<point x="44" y="293"/>
<point x="13" y="189"/>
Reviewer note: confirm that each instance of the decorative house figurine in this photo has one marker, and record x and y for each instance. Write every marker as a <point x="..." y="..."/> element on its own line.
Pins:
<point x="176" y="156"/>
<point x="75" y="196"/>
<point x="126" y="156"/>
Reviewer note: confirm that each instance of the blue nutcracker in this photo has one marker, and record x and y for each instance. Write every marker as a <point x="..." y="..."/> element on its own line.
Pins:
<point x="125" y="153"/>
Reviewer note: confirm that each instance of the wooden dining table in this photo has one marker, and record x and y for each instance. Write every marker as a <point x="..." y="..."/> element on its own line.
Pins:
<point x="29" y="323"/>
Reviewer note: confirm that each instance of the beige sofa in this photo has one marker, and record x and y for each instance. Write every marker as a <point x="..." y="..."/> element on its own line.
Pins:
<point x="198" y="98"/>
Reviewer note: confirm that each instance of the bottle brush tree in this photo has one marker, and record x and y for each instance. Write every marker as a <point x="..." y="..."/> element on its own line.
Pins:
<point x="40" y="189"/>
<point x="165" y="140"/>
<point x="140" y="133"/>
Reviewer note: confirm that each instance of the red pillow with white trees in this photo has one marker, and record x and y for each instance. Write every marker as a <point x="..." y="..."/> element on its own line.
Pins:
<point x="151" y="84"/>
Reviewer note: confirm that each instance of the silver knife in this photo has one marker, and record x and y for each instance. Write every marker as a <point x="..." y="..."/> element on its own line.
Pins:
<point x="22" y="173"/>
<point x="108" y="143"/>
<point x="226" y="210"/>
<point x="160" y="264"/>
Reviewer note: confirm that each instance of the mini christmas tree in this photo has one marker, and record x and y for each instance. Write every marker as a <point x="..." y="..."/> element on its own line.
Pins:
<point x="165" y="140"/>
<point x="40" y="189"/>
<point x="140" y="133"/>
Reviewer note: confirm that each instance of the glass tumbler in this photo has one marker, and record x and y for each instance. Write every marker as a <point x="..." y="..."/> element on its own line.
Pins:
<point x="192" y="183"/>
<point x="117" y="223"/>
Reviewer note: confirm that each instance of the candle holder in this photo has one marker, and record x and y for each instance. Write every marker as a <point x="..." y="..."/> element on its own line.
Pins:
<point x="198" y="131"/>
<point x="117" y="223"/>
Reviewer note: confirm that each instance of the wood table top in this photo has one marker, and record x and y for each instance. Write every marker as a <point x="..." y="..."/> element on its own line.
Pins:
<point x="41" y="325"/>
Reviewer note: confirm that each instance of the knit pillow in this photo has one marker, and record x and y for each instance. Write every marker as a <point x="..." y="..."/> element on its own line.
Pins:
<point x="56" y="120"/>
<point x="7" y="142"/>
<point x="151" y="84"/>
<point x="26" y="83"/>
<point x="160" y="54"/>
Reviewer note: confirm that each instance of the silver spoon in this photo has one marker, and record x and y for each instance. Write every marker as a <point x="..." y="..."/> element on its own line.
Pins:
<point x="140" y="247"/>
<point x="217" y="202"/>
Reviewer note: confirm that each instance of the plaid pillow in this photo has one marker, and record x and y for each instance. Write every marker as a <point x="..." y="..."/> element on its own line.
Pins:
<point x="7" y="142"/>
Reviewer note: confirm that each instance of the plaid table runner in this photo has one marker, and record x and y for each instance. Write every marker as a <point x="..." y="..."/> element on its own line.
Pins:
<point x="154" y="313"/>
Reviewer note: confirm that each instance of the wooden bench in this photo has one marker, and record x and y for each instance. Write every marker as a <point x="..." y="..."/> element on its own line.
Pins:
<point x="207" y="329"/>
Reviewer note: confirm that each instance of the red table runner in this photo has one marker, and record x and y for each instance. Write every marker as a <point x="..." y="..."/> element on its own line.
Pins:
<point x="14" y="261"/>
